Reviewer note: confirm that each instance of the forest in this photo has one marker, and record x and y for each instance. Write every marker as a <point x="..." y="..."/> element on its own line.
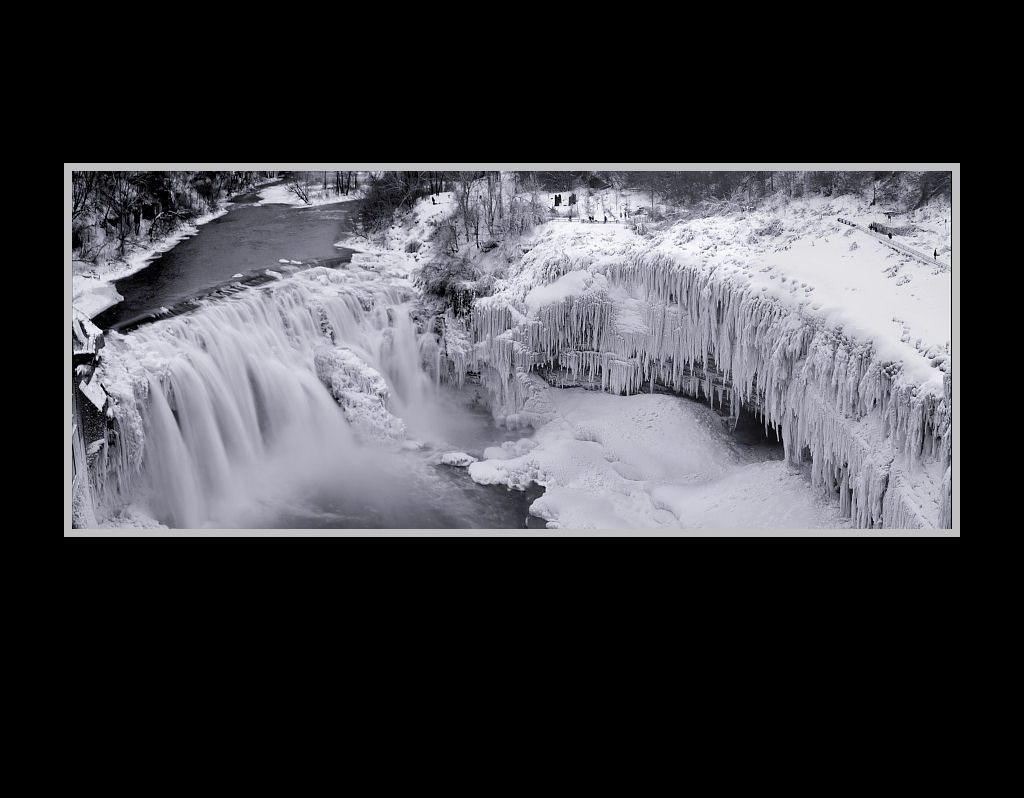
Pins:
<point x="111" y="210"/>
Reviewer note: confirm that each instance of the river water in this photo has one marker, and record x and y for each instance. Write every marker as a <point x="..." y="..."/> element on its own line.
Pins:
<point x="248" y="240"/>
<point x="226" y="388"/>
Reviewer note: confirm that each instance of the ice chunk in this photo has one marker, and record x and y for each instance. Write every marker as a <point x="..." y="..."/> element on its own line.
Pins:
<point x="457" y="459"/>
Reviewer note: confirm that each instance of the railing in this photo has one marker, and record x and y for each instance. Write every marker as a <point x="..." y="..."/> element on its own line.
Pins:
<point x="902" y="248"/>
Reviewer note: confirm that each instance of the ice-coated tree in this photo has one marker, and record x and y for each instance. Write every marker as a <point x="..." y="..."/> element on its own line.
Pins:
<point x="122" y="194"/>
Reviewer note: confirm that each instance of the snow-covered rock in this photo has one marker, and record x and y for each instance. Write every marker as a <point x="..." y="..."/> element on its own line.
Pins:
<point x="360" y="390"/>
<point x="457" y="459"/>
<point x="131" y="517"/>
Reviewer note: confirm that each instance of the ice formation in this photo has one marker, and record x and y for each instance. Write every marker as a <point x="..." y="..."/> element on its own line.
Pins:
<point x="628" y="317"/>
<point x="360" y="390"/>
<point x="457" y="459"/>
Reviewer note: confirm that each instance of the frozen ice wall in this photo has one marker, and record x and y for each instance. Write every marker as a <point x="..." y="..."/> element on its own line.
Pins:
<point x="879" y="434"/>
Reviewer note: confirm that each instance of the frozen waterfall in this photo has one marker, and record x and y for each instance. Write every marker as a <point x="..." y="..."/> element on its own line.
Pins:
<point x="880" y="442"/>
<point x="251" y="396"/>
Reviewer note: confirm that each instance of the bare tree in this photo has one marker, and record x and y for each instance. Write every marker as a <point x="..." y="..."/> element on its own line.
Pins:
<point x="437" y="181"/>
<point x="448" y="236"/>
<point x="493" y="199"/>
<point x="83" y="184"/>
<point x="475" y="221"/>
<point x="122" y="193"/>
<point x="298" y="184"/>
<point x="462" y="198"/>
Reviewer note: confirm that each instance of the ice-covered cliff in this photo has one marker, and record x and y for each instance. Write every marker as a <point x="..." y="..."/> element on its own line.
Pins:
<point x="839" y="344"/>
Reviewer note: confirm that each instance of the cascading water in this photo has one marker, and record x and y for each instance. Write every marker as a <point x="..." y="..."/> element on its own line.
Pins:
<point x="227" y="415"/>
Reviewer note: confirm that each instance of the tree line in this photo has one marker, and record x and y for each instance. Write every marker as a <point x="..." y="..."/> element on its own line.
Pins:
<point x="113" y="209"/>
<point x="306" y="185"/>
<point x="908" y="189"/>
<point x="387" y="193"/>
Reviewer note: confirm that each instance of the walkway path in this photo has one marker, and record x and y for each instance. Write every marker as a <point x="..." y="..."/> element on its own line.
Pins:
<point x="902" y="248"/>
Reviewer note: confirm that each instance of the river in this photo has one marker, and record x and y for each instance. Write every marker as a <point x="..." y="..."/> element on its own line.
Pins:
<point x="217" y="377"/>
<point x="248" y="240"/>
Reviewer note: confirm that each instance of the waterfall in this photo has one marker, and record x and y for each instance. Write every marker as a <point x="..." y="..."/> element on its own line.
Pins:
<point x="254" y="397"/>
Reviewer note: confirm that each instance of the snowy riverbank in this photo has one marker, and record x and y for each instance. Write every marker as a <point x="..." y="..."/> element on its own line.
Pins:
<point x="92" y="284"/>
<point x="283" y="195"/>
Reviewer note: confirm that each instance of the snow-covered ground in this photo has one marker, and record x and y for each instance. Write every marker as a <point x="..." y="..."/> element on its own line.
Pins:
<point x="282" y="195"/>
<point x="651" y="462"/>
<point x="92" y="284"/>
<point x="615" y="205"/>
<point x="412" y="234"/>
<point x="404" y="246"/>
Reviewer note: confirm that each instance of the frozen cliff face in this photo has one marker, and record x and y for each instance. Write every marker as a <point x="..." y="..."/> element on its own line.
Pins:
<point x="834" y="377"/>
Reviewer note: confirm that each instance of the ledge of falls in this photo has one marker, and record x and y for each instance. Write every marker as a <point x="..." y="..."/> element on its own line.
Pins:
<point x="593" y="307"/>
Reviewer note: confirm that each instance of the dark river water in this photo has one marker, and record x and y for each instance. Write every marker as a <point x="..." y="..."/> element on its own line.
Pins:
<point x="248" y="240"/>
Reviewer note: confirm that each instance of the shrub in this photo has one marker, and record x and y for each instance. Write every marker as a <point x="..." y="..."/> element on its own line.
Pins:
<point x="446" y="277"/>
<point x="773" y="228"/>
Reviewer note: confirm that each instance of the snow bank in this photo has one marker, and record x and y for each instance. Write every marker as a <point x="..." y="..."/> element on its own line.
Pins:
<point x="568" y="285"/>
<point x="412" y="233"/>
<point x="92" y="295"/>
<point x="92" y="285"/>
<point x="282" y="195"/>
